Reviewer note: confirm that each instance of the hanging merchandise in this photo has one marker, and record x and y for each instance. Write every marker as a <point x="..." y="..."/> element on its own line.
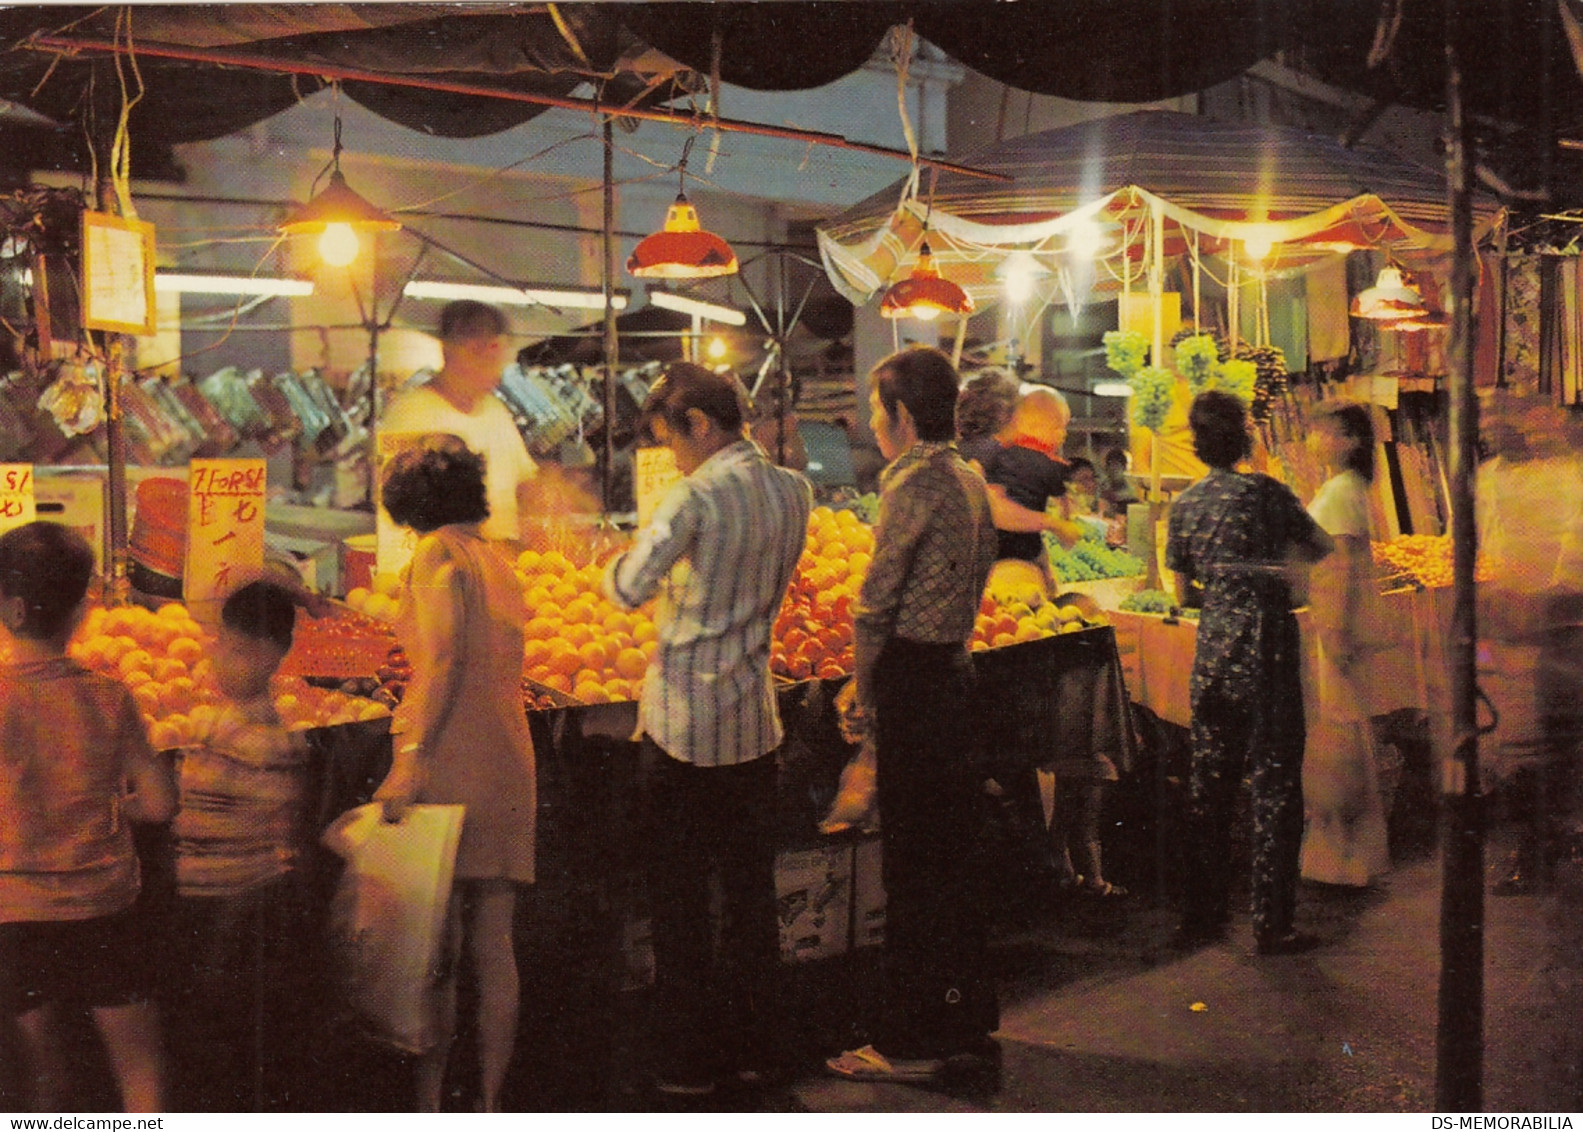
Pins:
<point x="76" y="398"/>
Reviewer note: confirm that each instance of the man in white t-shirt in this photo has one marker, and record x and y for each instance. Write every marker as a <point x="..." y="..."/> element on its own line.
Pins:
<point x="460" y="400"/>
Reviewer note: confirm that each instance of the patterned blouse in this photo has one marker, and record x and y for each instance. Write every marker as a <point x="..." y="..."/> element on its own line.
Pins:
<point x="933" y="549"/>
<point x="1230" y="533"/>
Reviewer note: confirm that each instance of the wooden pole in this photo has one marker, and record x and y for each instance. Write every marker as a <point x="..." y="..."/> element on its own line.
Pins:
<point x="612" y="340"/>
<point x="1459" y="1036"/>
<point x="1156" y="358"/>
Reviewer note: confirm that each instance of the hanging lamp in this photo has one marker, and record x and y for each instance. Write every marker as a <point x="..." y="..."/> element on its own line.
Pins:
<point x="1391" y="298"/>
<point x="337" y="215"/>
<point x="924" y="294"/>
<point x="682" y="249"/>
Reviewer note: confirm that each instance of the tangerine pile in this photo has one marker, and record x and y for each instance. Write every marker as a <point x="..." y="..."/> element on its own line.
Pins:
<point x="576" y="640"/>
<point x="813" y="632"/>
<point x="1427" y="558"/>
<point x="161" y="657"/>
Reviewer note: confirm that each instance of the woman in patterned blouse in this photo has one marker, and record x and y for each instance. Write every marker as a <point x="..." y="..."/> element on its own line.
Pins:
<point x="1234" y="539"/>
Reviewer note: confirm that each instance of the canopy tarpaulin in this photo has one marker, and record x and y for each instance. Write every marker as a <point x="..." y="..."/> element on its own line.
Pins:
<point x="1213" y="183"/>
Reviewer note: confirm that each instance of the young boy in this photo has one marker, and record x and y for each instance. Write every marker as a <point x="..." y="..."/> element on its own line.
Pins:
<point x="239" y="832"/>
<point x="75" y="768"/>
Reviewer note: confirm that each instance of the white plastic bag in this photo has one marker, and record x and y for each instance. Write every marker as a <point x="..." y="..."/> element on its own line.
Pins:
<point x="388" y="918"/>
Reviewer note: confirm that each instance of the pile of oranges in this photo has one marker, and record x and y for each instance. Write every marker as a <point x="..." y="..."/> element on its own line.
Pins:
<point x="161" y="657"/>
<point x="1426" y="559"/>
<point x="576" y="640"/>
<point x="813" y="632"/>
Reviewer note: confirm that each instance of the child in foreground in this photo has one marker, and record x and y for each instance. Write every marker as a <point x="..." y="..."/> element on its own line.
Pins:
<point x="75" y="769"/>
<point x="240" y="831"/>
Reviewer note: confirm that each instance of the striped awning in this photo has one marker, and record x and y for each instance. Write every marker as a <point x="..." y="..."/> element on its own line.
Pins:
<point x="1216" y="184"/>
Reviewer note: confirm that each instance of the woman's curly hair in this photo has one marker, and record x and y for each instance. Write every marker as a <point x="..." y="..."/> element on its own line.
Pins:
<point x="435" y="482"/>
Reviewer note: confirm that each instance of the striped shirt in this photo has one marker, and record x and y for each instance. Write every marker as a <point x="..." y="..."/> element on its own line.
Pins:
<point x="242" y="817"/>
<point x="719" y="550"/>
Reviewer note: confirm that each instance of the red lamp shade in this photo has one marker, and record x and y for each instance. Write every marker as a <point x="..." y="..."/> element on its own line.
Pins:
<point x="682" y="249"/>
<point x="924" y="294"/>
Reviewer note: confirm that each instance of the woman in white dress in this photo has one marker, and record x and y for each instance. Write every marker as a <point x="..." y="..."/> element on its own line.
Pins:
<point x="1344" y="841"/>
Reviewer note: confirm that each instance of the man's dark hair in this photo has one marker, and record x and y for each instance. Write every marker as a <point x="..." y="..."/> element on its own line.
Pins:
<point x="1351" y="421"/>
<point x="985" y="403"/>
<point x="1075" y="464"/>
<point x="48" y="566"/>
<point x="684" y="386"/>
<point x="1219" y="421"/>
<point x="263" y="610"/>
<point x="923" y="379"/>
<point x="467" y="318"/>
<point x="435" y="482"/>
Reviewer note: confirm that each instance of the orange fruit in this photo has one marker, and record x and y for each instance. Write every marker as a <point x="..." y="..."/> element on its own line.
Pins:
<point x="538" y="629"/>
<point x="535" y="652"/>
<point x="644" y="630"/>
<point x="576" y="635"/>
<point x="560" y="681"/>
<point x="579" y="612"/>
<point x="540" y="672"/>
<point x="618" y="621"/>
<point x="564" y="663"/>
<point x="135" y="659"/>
<point x="591" y="692"/>
<point x="1001" y="640"/>
<point x="564" y="592"/>
<point x="631" y="663"/>
<point x="147" y="696"/>
<point x="594" y="654"/>
<point x="648" y="648"/>
<point x="184" y="649"/>
<point x="177" y="695"/>
<point x="168" y="669"/>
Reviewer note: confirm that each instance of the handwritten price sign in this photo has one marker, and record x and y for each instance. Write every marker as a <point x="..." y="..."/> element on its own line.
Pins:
<point x="654" y="471"/>
<point x="16" y="496"/>
<point x="225" y="525"/>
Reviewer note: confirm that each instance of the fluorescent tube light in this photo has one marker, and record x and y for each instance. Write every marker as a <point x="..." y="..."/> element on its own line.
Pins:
<point x="712" y="311"/>
<point x="192" y="284"/>
<point x="512" y="296"/>
<point x="1112" y="389"/>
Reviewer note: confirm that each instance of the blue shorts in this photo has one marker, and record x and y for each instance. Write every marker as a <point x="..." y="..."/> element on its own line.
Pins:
<point x="105" y="961"/>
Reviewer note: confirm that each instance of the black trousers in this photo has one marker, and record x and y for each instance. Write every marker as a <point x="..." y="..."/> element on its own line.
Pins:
<point x="709" y="825"/>
<point x="939" y="997"/>
<point x="1264" y="739"/>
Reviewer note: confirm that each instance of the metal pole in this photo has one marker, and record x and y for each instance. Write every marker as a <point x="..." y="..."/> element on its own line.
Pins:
<point x="1459" y="1034"/>
<point x="118" y="586"/>
<point x="612" y="342"/>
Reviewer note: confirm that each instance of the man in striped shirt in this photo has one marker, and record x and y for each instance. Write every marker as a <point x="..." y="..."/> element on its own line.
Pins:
<point x="719" y="551"/>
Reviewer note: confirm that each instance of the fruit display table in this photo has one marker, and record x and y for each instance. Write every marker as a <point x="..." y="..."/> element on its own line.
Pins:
<point x="1157" y="656"/>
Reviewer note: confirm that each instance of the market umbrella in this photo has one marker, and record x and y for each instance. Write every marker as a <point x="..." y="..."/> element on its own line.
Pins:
<point x="1196" y="181"/>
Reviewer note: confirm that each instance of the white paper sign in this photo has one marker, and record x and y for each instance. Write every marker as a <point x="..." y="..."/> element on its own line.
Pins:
<point x="225" y="526"/>
<point x="16" y="496"/>
<point x="654" y="471"/>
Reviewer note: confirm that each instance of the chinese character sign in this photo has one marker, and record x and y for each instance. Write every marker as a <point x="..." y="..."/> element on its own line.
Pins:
<point x="225" y="525"/>
<point x="16" y="496"/>
<point x="654" y="472"/>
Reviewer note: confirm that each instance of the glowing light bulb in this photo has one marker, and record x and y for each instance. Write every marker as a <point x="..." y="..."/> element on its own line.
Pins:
<point x="717" y="348"/>
<point x="338" y="245"/>
<point x="1019" y="273"/>
<point x="925" y="313"/>
<point x="1257" y="245"/>
<point x="1085" y="238"/>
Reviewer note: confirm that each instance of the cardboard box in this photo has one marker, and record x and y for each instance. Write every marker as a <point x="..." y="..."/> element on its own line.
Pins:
<point x="813" y="892"/>
<point x="868" y="882"/>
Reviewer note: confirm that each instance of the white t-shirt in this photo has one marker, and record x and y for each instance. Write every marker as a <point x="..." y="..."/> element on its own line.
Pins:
<point x="1341" y="506"/>
<point x="488" y="430"/>
<point x="1530" y="522"/>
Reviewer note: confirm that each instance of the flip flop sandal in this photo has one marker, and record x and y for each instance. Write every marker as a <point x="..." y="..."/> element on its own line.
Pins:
<point x="1103" y="891"/>
<point x="868" y="1064"/>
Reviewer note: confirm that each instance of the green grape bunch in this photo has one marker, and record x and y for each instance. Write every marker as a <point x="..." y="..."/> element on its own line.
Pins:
<point x="1125" y="351"/>
<point x="1197" y="358"/>
<point x="1152" y="391"/>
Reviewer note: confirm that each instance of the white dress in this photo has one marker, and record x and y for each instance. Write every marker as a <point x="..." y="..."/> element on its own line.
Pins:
<point x="1344" y="839"/>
